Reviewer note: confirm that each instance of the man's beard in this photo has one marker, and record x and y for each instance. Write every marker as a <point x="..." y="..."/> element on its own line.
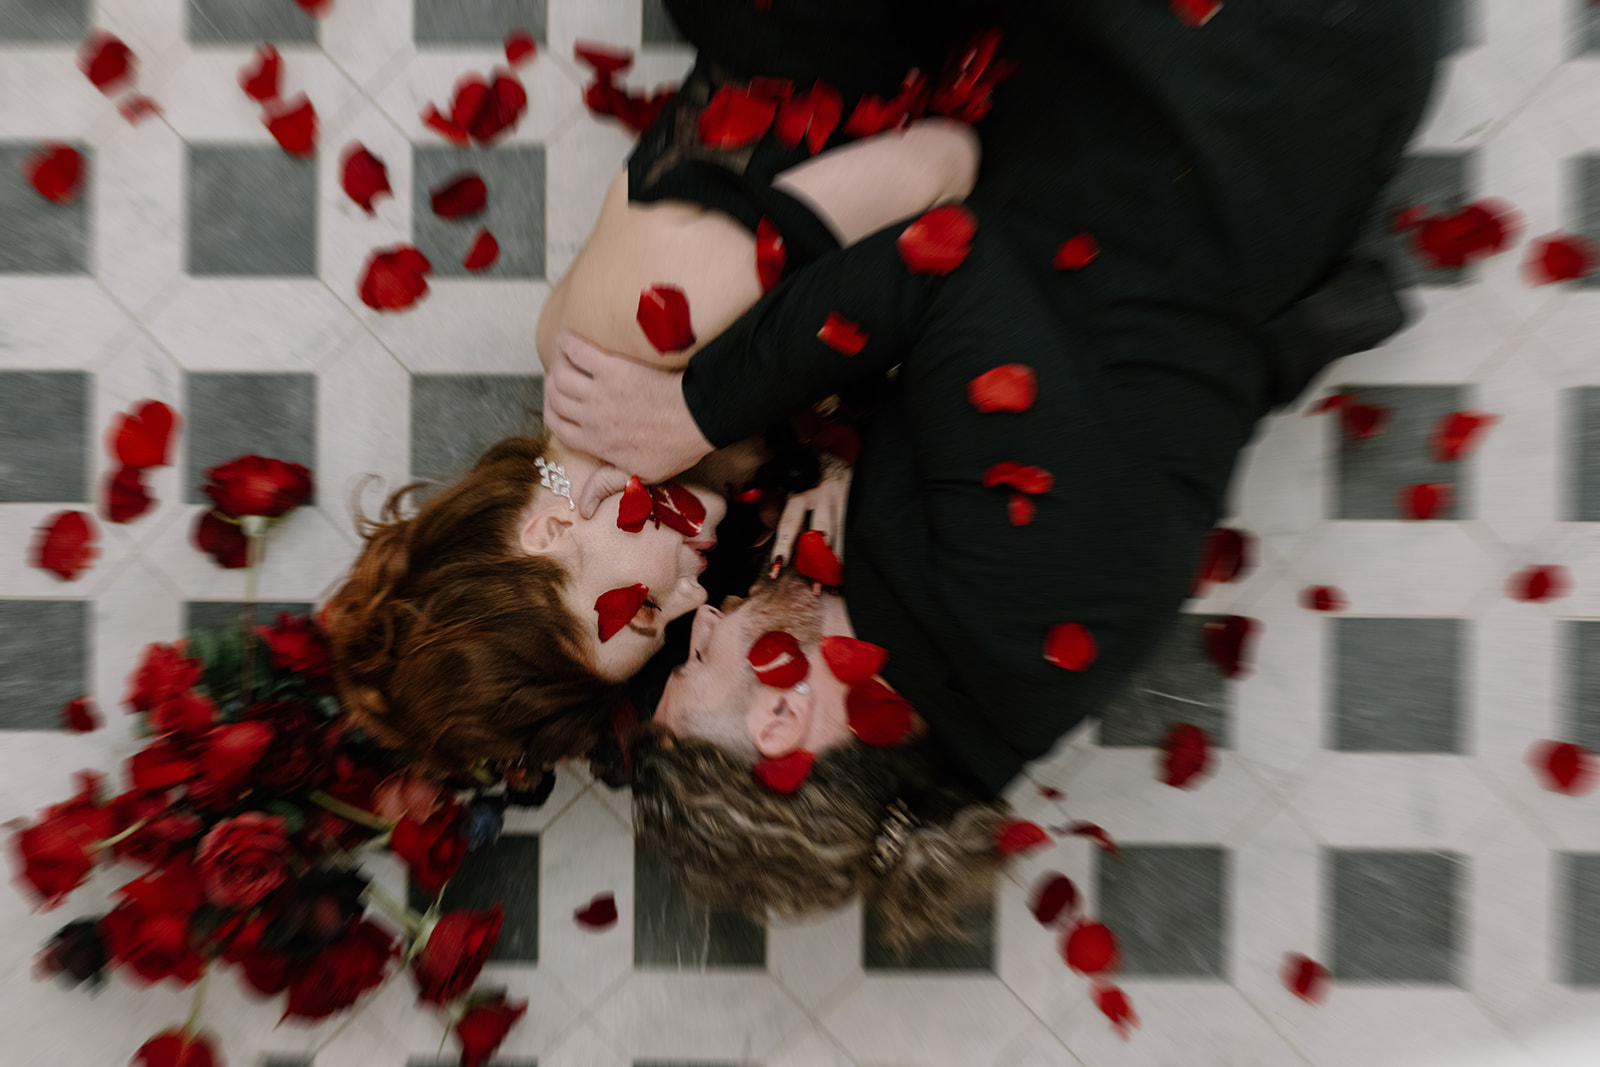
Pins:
<point x="786" y="603"/>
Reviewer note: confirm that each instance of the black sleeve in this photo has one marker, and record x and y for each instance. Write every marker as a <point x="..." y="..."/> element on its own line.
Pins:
<point x="773" y="361"/>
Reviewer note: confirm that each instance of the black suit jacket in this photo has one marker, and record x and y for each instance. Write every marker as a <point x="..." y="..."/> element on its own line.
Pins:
<point x="1225" y="171"/>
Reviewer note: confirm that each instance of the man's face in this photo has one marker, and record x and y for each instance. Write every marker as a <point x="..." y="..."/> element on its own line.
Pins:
<point x="716" y="696"/>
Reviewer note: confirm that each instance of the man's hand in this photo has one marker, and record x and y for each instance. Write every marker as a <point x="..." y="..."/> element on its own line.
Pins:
<point x="623" y="412"/>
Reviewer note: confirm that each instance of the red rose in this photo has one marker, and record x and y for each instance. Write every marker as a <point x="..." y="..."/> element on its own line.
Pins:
<point x="256" y="485"/>
<point x="242" y="859"/>
<point x="484" y="1027"/>
<point x="54" y="857"/>
<point x="178" y="1048"/>
<point x="187" y="714"/>
<point x="297" y="644"/>
<point x="342" y="972"/>
<point x="455" y="952"/>
<point x="160" y="765"/>
<point x="298" y="757"/>
<point x="165" y="672"/>
<point x="223" y="541"/>
<point x="268" y="972"/>
<point x="156" y="945"/>
<point x="432" y="849"/>
<point x="157" y="841"/>
<point x="171" y="889"/>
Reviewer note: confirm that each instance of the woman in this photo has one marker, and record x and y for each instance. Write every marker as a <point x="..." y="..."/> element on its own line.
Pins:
<point x="497" y="623"/>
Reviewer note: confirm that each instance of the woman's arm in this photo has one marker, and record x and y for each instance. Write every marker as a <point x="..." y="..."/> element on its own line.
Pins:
<point x="856" y="190"/>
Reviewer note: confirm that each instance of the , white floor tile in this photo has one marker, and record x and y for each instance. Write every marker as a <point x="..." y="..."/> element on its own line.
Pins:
<point x="1276" y="800"/>
<point x="739" y="1015"/>
<point x="929" y="1020"/>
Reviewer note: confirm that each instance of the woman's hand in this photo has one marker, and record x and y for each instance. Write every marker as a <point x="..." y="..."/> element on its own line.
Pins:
<point x="826" y="503"/>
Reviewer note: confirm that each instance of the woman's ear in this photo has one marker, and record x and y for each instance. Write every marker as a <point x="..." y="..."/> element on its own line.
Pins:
<point x="548" y="531"/>
<point x="779" y="721"/>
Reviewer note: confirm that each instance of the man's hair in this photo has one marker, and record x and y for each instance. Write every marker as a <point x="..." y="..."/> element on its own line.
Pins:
<point x="451" y="644"/>
<point x="738" y="846"/>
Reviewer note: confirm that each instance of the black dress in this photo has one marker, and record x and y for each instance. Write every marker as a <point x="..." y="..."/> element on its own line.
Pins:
<point x="1224" y="171"/>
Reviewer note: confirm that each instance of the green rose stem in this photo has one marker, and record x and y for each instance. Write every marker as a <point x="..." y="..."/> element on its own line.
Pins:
<point x="255" y="530"/>
<point x="199" y="999"/>
<point x="129" y="832"/>
<point x="348" y="811"/>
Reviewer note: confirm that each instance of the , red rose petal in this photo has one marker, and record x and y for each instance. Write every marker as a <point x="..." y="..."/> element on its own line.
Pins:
<point x="65" y="544"/>
<point x="294" y="126"/>
<point x="852" y="660"/>
<point x="484" y="251"/>
<point x="878" y="715"/>
<point x="1559" y="258"/>
<point x="1229" y="555"/>
<point x="224" y="541"/>
<point x="811" y="116"/>
<point x="815" y="560"/>
<point x="1018" y="836"/>
<point x="1423" y="501"/>
<point x="638" y="111"/>
<point x="1008" y="387"/>
<point x="1361" y="421"/>
<point x="1457" y="433"/>
<point x="778" y="660"/>
<point x="1019" y="476"/>
<point x="503" y="105"/>
<point x="1225" y="640"/>
<point x="364" y="176"/>
<point x="785" y="774"/>
<point x="1305" y="977"/>
<point x="55" y="172"/>
<point x="1070" y="646"/>
<point x="126" y="496"/>
<point x="770" y="254"/>
<point x="141" y="439"/>
<point x="616" y="607"/>
<point x="316" y="8"/>
<point x="1186" y="754"/>
<point x="1538" y="584"/>
<point x="842" y="335"/>
<point x="1020" y="510"/>
<point x="664" y="317"/>
<point x="394" y="280"/>
<point x="520" y="47"/>
<point x="736" y="117"/>
<point x="1479" y="230"/>
<point x="465" y="194"/>
<point x="259" y="80"/>
<point x="1563" y="767"/>
<point x="603" y="59"/>
<point x="1055" y="893"/>
<point x="136" y="106"/>
<point x="1408" y="218"/>
<point x="79" y="716"/>
<point x="635" y="507"/>
<point x="442" y="124"/>
<point x="599" y="914"/>
<point x="939" y="241"/>
<point x="1050" y="792"/>
<point x="1196" y="12"/>
<point x="873" y="114"/>
<point x="1114" y="1005"/>
<point x="1090" y="948"/>
<point x="1076" y="253"/>
<point x="1093" y="833"/>
<point x="106" y="61"/>
<point x="677" y="509"/>
<point x="1323" y="598"/>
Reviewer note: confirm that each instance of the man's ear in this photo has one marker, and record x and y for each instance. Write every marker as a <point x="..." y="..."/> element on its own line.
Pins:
<point x="779" y="721"/>
<point x="547" y="531"/>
